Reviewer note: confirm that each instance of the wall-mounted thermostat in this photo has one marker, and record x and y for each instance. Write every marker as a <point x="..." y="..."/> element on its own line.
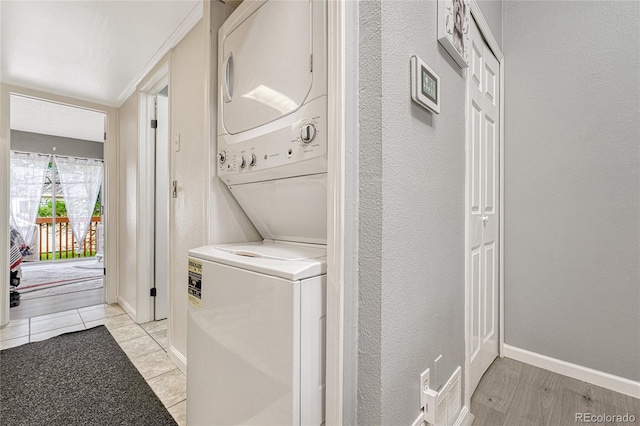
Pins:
<point x="425" y="85"/>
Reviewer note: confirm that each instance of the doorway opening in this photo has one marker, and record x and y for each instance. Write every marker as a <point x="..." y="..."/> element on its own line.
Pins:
<point x="55" y="209"/>
<point x="155" y="194"/>
<point x="161" y="202"/>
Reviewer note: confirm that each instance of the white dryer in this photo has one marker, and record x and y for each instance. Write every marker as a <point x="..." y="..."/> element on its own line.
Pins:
<point x="256" y="339"/>
<point x="272" y="119"/>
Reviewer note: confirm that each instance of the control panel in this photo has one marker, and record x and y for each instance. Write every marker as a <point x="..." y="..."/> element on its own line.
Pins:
<point x="276" y="152"/>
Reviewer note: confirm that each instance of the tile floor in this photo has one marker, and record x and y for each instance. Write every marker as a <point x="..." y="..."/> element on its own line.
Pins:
<point x="146" y="346"/>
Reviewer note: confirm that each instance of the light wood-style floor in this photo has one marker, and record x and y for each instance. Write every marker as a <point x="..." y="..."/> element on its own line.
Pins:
<point x="512" y="393"/>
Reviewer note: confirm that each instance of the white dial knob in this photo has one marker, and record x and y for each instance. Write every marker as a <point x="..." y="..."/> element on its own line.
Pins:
<point x="243" y="162"/>
<point x="308" y="133"/>
<point x="222" y="157"/>
<point x="252" y="160"/>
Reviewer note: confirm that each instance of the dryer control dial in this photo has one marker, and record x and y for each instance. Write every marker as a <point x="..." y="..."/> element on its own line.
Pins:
<point x="308" y="133"/>
<point x="222" y="157"/>
<point x="243" y="162"/>
<point x="252" y="160"/>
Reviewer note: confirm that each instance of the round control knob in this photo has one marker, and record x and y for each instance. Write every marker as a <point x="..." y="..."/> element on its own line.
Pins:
<point x="243" y="163"/>
<point x="252" y="160"/>
<point x="222" y="157"/>
<point x="308" y="133"/>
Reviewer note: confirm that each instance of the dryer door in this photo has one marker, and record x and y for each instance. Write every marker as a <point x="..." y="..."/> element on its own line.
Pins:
<point x="266" y="65"/>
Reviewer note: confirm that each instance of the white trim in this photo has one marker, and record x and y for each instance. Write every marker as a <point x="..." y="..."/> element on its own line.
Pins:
<point x="467" y="225"/>
<point x="146" y="195"/>
<point x="209" y="55"/>
<point x="486" y="33"/>
<point x="4" y="201"/>
<point x="127" y="307"/>
<point x="501" y="218"/>
<point x="335" y="207"/>
<point x="110" y="186"/>
<point x="575" y="371"/>
<point x="144" y="213"/>
<point x="178" y="359"/>
<point x="485" y="30"/>
<point x="351" y="211"/>
<point x="342" y="219"/>
<point x="465" y="417"/>
<point x="419" y="421"/>
<point x="183" y="29"/>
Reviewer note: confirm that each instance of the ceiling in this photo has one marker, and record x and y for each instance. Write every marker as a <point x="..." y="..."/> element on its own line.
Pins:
<point x="90" y="50"/>
<point x="49" y="118"/>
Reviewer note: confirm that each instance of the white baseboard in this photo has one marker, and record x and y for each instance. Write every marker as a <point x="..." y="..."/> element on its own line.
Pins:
<point x="419" y="420"/>
<point x="178" y="359"/>
<point x="589" y="375"/>
<point x="127" y="307"/>
<point x="465" y="418"/>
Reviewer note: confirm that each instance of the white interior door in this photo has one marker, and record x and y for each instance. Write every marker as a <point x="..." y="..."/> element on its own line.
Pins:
<point x="162" y="208"/>
<point x="483" y="175"/>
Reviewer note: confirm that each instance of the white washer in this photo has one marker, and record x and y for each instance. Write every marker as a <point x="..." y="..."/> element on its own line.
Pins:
<point x="256" y="341"/>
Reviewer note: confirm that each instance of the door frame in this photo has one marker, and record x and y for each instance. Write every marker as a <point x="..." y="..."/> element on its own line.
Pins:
<point x="486" y="33"/>
<point x="342" y="209"/>
<point x="145" y="304"/>
<point x="110" y="187"/>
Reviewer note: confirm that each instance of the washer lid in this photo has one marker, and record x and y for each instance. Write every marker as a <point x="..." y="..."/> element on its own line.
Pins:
<point x="280" y="259"/>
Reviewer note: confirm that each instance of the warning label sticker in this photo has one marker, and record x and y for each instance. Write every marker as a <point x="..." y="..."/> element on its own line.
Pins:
<point x="195" y="282"/>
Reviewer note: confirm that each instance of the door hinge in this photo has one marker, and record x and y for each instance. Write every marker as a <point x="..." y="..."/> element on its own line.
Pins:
<point x="174" y="189"/>
<point x="104" y="271"/>
<point x="153" y="292"/>
<point x="311" y="64"/>
<point x="105" y="136"/>
<point x="154" y="124"/>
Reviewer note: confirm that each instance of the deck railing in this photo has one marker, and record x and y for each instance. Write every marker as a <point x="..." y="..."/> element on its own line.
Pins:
<point x="65" y="240"/>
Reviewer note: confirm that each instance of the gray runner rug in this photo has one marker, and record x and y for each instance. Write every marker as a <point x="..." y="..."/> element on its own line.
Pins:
<point x="80" y="378"/>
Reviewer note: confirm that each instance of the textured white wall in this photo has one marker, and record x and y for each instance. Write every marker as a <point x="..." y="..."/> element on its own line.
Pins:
<point x="412" y="169"/>
<point x="572" y="182"/>
<point x="370" y="211"/>
<point x="128" y="201"/>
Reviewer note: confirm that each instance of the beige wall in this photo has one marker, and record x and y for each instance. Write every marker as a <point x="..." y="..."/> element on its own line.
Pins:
<point x="204" y="211"/>
<point x="189" y="168"/>
<point x="128" y="202"/>
<point x="203" y="201"/>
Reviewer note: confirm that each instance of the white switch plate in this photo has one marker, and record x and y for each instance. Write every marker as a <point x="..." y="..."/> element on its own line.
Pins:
<point x="176" y="143"/>
<point x="424" y="385"/>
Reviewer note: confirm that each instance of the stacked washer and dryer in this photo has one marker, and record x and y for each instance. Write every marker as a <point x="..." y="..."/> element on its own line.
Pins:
<point x="256" y="321"/>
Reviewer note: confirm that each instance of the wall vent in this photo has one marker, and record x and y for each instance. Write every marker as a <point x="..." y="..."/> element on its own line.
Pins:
<point x="444" y="407"/>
